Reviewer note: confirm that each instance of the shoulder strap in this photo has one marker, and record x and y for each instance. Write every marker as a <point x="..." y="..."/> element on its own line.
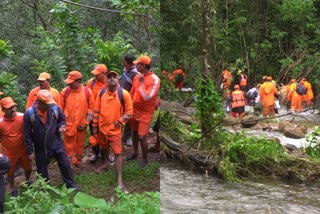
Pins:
<point x="32" y="117"/>
<point x="93" y="82"/>
<point x="120" y="94"/>
<point x="86" y="91"/>
<point x="56" y="111"/>
<point x="103" y="90"/>
<point x="125" y="75"/>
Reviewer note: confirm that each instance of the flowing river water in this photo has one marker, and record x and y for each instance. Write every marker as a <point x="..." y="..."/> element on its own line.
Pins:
<point x="184" y="191"/>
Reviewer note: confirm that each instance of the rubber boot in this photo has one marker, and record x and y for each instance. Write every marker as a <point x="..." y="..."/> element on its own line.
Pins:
<point x="96" y="151"/>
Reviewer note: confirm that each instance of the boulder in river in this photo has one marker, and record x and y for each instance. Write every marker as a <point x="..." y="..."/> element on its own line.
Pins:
<point x="249" y="121"/>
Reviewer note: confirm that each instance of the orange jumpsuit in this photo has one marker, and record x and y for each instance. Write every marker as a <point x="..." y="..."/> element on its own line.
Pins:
<point x="11" y="132"/>
<point x="267" y="91"/>
<point x="78" y="110"/>
<point x="296" y="101"/>
<point x="226" y="80"/>
<point x="179" y="85"/>
<point x="309" y="95"/>
<point x="144" y="99"/>
<point x="33" y="96"/>
<point x="107" y="110"/>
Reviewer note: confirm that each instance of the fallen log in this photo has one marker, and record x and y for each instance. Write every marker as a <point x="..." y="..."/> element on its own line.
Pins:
<point x="189" y="155"/>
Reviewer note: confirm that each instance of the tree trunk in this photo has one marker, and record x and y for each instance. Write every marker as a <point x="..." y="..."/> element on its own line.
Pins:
<point x="205" y="43"/>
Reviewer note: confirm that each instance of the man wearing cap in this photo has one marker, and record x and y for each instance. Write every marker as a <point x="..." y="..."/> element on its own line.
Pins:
<point x="44" y="83"/>
<point x="110" y="115"/>
<point x="77" y="102"/>
<point x="43" y="124"/>
<point x="144" y="95"/>
<point x="96" y="84"/>
<point x="11" y="133"/>
<point x="267" y="92"/>
<point x="128" y="74"/>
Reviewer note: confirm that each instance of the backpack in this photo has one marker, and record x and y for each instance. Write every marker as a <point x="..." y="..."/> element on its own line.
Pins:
<point x="68" y="90"/>
<point x="300" y="89"/>
<point x="120" y="95"/>
<point x="178" y="77"/>
<point x="32" y="117"/>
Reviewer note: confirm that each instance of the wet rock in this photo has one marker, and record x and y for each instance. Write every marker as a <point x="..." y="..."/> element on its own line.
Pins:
<point x="284" y="124"/>
<point x="248" y="121"/>
<point x="290" y="148"/>
<point x="230" y="120"/>
<point x="294" y="133"/>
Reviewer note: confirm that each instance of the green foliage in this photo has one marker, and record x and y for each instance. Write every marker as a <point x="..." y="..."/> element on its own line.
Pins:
<point x="313" y="150"/>
<point x="5" y="49"/>
<point x="243" y="155"/>
<point x="10" y="87"/>
<point x="43" y="198"/>
<point x="208" y="105"/>
<point x="111" y="52"/>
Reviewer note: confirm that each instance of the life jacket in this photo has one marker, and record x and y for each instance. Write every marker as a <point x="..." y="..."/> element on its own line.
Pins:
<point x="243" y="80"/>
<point x="238" y="99"/>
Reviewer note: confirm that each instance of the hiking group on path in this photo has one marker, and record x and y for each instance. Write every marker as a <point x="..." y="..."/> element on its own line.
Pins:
<point x="54" y="124"/>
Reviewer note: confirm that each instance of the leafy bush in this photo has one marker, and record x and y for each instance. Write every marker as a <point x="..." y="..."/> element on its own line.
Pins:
<point x="313" y="150"/>
<point x="43" y="198"/>
<point x="244" y="155"/>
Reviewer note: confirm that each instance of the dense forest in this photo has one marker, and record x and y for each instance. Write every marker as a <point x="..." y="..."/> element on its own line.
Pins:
<point x="268" y="37"/>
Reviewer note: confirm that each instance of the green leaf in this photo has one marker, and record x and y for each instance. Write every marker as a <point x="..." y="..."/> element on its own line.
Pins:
<point x="83" y="200"/>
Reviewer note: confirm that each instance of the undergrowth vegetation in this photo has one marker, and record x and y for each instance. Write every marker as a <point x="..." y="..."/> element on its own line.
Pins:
<point x="43" y="198"/>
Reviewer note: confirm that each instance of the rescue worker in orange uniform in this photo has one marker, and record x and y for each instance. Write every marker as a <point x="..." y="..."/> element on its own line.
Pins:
<point x="241" y="80"/>
<point x="77" y="102"/>
<point x="44" y="83"/>
<point x="110" y="116"/>
<point x="96" y="84"/>
<point x="226" y="82"/>
<point x="144" y="93"/>
<point x="296" y="100"/>
<point x="267" y="92"/>
<point x="289" y="94"/>
<point x="307" y="98"/>
<point x="1" y="113"/>
<point x="179" y="76"/>
<point x="11" y="133"/>
<point x="238" y="102"/>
